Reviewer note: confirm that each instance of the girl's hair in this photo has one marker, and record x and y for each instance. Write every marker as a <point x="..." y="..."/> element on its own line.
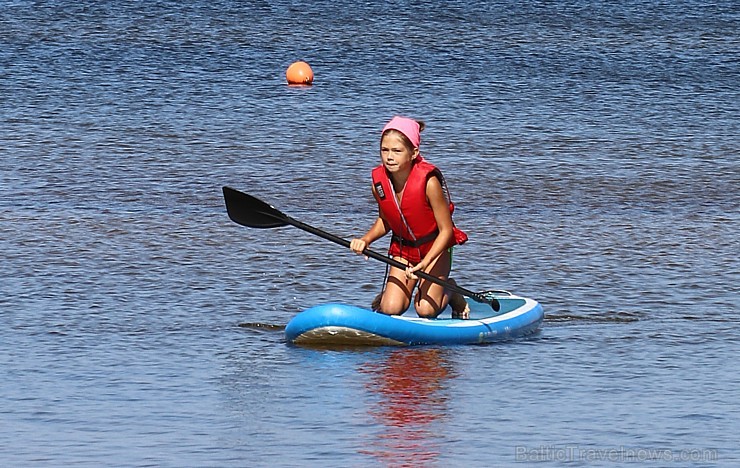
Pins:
<point x="407" y="143"/>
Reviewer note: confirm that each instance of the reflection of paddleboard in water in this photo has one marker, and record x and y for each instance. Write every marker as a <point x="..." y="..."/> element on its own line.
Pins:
<point x="411" y="388"/>
<point x="349" y="325"/>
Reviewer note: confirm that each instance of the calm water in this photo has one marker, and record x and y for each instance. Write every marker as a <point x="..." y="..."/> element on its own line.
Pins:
<point x="591" y="147"/>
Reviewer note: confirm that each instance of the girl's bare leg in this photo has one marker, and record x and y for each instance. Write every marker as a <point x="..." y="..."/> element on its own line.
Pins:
<point x="397" y="294"/>
<point x="432" y="298"/>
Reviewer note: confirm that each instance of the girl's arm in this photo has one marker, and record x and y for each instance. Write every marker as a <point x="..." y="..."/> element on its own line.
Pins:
<point x="442" y="215"/>
<point x="376" y="231"/>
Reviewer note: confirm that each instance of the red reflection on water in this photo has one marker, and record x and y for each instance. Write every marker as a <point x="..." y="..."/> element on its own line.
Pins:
<point x="411" y="387"/>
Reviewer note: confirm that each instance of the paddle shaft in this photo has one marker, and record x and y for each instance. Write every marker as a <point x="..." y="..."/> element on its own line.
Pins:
<point x="394" y="263"/>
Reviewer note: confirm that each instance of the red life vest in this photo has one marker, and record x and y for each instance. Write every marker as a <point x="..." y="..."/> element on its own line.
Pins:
<point x="412" y="221"/>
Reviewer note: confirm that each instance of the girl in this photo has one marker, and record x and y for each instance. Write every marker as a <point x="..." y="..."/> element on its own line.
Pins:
<point x="414" y="204"/>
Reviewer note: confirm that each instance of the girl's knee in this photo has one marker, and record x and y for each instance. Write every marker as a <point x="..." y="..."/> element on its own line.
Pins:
<point x="391" y="306"/>
<point x="427" y="310"/>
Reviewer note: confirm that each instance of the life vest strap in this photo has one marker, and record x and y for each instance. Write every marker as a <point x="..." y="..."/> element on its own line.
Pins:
<point x="415" y="243"/>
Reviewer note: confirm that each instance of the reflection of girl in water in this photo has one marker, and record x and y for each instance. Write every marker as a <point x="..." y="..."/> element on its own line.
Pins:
<point x="410" y="383"/>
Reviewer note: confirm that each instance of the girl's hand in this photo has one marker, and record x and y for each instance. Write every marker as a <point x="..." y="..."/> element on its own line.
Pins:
<point x="358" y="246"/>
<point x="410" y="270"/>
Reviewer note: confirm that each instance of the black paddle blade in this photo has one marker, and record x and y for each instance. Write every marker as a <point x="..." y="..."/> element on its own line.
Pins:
<point x="250" y="211"/>
<point x="489" y="297"/>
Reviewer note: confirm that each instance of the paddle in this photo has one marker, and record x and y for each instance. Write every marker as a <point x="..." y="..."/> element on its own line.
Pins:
<point x="252" y="212"/>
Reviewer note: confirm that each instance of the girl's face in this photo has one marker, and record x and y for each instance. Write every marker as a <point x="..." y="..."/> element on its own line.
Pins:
<point x="395" y="154"/>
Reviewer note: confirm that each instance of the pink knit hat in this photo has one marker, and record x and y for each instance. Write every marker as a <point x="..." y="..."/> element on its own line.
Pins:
<point x="408" y="127"/>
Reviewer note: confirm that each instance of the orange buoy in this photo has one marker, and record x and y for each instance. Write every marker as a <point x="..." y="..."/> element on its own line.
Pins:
<point x="299" y="73"/>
